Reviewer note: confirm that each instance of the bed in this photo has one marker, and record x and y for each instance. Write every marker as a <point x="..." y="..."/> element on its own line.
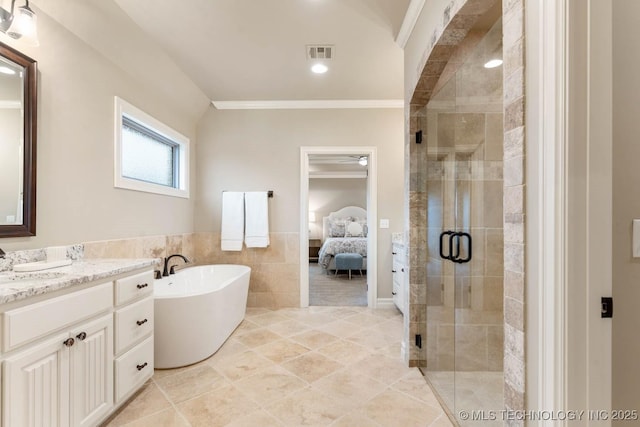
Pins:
<point x="343" y="231"/>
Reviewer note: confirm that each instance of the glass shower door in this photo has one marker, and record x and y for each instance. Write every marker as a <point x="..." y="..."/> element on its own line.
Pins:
<point x="464" y="237"/>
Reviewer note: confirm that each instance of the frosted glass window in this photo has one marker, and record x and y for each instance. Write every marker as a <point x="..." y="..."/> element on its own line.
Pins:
<point x="148" y="156"/>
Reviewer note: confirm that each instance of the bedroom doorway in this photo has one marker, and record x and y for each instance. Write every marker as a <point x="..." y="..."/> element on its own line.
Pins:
<point x="337" y="229"/>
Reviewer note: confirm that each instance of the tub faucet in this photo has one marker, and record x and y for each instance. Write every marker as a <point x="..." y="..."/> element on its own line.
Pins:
<point x="166" y="271"/>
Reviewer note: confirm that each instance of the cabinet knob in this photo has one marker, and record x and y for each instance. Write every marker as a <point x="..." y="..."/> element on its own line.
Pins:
<point x="394" y="293"/>
<point x="81" y="336"/>
<point x="141" y="322"/>
<point x="141" y="367"/>
<point x="69" y="342"/>
<point x="141" y="286"/>
<point x="393" y="271"/>
<point x="402" y="270"/>
<point x="394" y="253"/>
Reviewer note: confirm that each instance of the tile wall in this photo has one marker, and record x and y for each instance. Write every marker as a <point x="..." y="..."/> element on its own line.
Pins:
<point x="275" y="271"/>
<point x="514" y="204"/>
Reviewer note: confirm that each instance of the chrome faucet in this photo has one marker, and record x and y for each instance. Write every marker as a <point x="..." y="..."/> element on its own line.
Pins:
<point x="2" y="254"/>
<point x="166" y="270"/>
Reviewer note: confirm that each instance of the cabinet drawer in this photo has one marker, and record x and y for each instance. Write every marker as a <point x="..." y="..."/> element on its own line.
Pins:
<point x="36" y="320"/>
<point x="133" y="368"/>
<point x="133" y="323"/>
<point x="132" y="287"/>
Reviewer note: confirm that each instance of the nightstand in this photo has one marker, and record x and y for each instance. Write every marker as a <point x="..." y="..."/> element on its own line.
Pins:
<point x="314" y="248"/>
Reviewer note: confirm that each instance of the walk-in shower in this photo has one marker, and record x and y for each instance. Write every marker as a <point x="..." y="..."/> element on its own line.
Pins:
<point x="462" y="126"/>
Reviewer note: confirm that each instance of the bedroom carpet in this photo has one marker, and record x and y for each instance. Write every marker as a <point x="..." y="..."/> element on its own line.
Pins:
<point x="336" y="290"/>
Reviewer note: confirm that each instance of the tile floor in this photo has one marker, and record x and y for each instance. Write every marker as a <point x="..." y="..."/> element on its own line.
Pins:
<point x="337" y="366"/>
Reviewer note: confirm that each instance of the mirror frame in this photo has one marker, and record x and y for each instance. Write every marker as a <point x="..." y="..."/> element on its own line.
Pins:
<point x="30" y="107"/>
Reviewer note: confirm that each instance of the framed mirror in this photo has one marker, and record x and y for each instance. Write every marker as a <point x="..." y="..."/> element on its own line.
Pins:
<point x="18" y="106"/>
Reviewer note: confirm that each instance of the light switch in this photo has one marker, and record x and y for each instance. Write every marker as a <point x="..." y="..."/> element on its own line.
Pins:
<point x="384" y="223"/>
<point x="636" y="238"/>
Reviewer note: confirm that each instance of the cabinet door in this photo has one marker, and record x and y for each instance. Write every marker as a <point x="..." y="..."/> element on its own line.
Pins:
<point x="36" y="386"/>
<point x="92" y="371"/>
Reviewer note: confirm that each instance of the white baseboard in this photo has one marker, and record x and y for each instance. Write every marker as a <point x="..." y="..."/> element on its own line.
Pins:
<point x="385" y="303"/>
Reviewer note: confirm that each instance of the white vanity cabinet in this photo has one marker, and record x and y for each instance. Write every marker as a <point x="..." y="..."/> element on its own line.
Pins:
<point x="66" y="380"/>
<point x="68" y="377"/>
<point x="63" y="356"/>
<point x="134" y="333"/>
<point x="398" y="270"/>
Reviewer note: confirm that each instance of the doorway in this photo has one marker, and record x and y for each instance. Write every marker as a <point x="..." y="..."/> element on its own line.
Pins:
<point x="338" y="230"/>
<point x="314" y="233"/>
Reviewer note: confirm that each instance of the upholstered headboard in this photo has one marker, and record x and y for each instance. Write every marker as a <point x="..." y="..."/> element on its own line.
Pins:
<point x="347" y="211"/>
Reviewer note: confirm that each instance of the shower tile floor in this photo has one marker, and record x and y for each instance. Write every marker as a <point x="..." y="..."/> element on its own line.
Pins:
<point x="320" y="366"/>
<point x="475" y="391"/>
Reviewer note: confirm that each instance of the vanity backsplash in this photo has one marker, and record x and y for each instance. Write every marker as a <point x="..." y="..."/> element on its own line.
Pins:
<point x="74" y="252"/>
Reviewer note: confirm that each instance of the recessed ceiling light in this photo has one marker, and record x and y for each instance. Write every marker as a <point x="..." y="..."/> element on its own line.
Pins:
<point x="7" y="70"/>
<point x="493" y="63"/>
<point x="319" y="68"/>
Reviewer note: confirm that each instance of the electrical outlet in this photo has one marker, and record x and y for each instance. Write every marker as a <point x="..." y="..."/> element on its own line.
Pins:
<point x="384" y="223"/>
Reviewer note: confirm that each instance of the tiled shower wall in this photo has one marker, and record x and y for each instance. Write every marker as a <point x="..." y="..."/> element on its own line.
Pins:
<point x="275" y="270"/>
<point x="514" y="203"/>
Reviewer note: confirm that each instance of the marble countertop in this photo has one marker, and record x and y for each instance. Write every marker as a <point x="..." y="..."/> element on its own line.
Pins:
<point x="397" y="238"/>
<point x="18" y="286"/>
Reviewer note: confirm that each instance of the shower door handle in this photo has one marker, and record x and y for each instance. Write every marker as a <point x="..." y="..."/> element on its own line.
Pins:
<point x="442" y="236"/>
<point x="470" y="248"/>
<point x="454" y="246"/>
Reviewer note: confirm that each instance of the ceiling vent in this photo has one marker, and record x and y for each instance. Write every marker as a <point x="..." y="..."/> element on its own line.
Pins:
<point x="320" y="52"/>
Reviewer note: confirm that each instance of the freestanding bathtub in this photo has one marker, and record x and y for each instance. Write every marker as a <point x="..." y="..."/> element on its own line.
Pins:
<point x="196" y="310"/>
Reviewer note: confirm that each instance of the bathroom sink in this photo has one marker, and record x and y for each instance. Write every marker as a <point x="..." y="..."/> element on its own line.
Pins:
<point x="9" y="278"/>
<point x="41" y="265"/>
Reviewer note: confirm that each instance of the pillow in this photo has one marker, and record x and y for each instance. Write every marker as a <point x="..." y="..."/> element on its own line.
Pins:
<point x="365" y="227"/>
<point x="354" y="229"/>
<point x="337" y="228"/>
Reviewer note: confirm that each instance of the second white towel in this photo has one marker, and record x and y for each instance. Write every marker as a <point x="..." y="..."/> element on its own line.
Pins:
<point x="256" y="233"/>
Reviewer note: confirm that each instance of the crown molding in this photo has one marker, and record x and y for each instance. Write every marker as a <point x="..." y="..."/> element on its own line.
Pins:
<point x="309" y="104"/>
<point x="409" y="22"/>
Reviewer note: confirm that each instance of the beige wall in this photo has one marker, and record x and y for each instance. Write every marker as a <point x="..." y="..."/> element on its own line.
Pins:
<point x="327" y="195"/>
<point x="626" y="205"/>
<point x="76" y="201"/>
<point x="247" y="150"/>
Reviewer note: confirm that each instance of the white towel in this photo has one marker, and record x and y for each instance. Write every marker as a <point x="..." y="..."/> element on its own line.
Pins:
<point x="232" y="230"/>
<point x="256" y="219"/>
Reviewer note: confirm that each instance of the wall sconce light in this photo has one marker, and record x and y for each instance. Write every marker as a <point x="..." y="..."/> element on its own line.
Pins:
<point x="20" y="23"/>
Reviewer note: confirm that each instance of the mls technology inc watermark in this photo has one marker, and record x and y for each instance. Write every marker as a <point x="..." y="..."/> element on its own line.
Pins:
<point x="511" y="415"/>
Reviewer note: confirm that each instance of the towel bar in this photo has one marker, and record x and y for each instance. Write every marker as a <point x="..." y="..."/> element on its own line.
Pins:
<point x="269" y="193"/>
